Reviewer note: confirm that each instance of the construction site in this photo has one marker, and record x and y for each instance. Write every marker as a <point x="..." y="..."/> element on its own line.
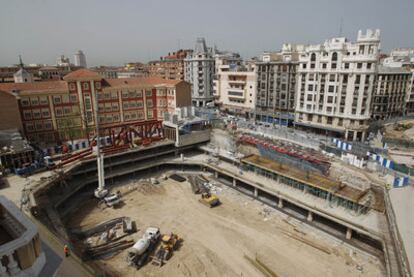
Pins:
<point x="206" y="198"/>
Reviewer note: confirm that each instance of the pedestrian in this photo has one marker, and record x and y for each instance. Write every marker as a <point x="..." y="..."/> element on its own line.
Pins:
<point x="66" y="250"/>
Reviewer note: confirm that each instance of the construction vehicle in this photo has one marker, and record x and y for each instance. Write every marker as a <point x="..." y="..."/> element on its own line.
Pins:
<point x="169" y="243"/>
<point x="209" y="199"/>
<point x="138" y="254"/>
<point x="113" y="199"/>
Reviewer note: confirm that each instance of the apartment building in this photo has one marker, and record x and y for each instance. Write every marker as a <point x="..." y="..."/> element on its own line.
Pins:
<point x="276" y="84"/>
<point x="391" y="92"/>
<point x="409" y="108"/>
<point x="335" y="85"/>
<point x="170" y="67"/>
<point x="236" y="90"/>
<point x="54" y="111"/>
<point x="199" y="71"/>
<point x="224" y="61"/>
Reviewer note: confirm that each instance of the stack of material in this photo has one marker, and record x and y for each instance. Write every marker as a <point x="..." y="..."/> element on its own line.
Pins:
<point x="104" y="240"/>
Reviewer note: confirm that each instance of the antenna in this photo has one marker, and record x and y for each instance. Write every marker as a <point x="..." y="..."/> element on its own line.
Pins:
<point x="341" y="26"/>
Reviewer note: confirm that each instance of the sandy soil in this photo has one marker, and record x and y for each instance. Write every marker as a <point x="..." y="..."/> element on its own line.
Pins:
<point x="216" y="240"/>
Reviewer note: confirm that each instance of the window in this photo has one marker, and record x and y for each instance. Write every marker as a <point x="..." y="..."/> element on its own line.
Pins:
<point x="47" y="125"/>
<point x="98" y="85"/>
<point x="29" y="127"/>
<point x="139" y="94"/>
<point x="43" y="100"/>
<point x="334" y="57"/>
<point x="149" y="103"/>
<point x="36" y="114"/>
<point x="140" y="104"/>
<point x="310" y="87"/>
<point x="331" y="88"/>
<point x="72" y="86"/>
<point x="150" y="114"/>
<point x="115" y="106"/>
<point x="34" y="101"/>
<point x="27" y="115"/>
<point x="369" y="65"/>
<point x="361" y="49"/>
<point x="73" y="98"/>
<point x="346" y="65"/>
<point x="148" y="93"/>
<point x="58" y="111"/>
<point x="114" y="95"/>
<point x="359" y="65"/>
<point x="56" y="99"/>
<point x="324" y="65"/>
<point x="329" y="120"/>
<point x="124" y="94"/>
<point x="25" y="102"/>
<point x="86" y="86"/>
<point x="45" y="113"/>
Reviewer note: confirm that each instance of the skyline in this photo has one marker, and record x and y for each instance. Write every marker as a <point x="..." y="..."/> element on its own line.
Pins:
<point x="111" y="33"/>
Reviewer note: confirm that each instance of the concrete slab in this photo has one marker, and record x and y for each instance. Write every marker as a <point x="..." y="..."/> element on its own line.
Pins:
<point x="403" y="205"/>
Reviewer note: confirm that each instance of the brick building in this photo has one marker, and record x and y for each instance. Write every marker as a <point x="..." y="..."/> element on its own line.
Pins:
<point x="170" y="67"/>
<point x="63" y="110"/>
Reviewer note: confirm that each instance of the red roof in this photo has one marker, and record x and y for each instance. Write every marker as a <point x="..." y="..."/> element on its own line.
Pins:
<point x="140" y="81"/>
<point x="82" y="74"/>
<point x="53" y="86"/>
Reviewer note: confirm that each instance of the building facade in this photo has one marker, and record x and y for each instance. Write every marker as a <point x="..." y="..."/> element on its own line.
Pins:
<point x="236" y="91"/>
<point x="170" y="67"/>
<point x="58" y="111"/>
<point x="335" y="86"/>
<point x="276" y="84"/>
<point x="80" y="59"/>
<point x="199" y="71"/>
<point x="21" y="253"/>
<point x="391" y="92"/>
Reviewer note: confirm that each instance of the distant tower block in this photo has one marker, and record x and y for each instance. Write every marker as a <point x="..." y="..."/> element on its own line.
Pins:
<point x="80" y="59"/>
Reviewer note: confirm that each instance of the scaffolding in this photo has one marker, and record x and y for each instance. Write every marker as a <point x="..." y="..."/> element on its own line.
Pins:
<point x="337" y="194"/>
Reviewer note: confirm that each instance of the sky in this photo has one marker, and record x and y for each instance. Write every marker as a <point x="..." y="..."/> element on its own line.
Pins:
<point x="115" y="32"/>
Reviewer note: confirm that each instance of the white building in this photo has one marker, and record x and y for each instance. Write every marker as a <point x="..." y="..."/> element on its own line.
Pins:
<point x="62" y="61"/>
<point x="80" y="59"/>
<point x="400" y="57"/>
<point x="22" y="75"/>
<point x="335" y="85"/>
<point x="199" y="71"/>
<point x="236" y="90"/>
<point x="21" y="252"/>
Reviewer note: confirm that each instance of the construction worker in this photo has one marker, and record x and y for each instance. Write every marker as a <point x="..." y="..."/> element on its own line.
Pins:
<point x="66" y="250"/>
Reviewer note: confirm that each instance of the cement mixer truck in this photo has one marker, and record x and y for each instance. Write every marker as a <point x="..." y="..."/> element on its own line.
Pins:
<point x="140" y="251"/>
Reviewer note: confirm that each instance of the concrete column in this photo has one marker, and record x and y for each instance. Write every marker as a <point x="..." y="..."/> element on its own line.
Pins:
<point x="280" y="204"/>
<point x="234" y="182"/>
<point x="256" y="192"/>
<point x="310" y="216"/>
<point x="348" y="233"/>
<point x="12" y="266"/>
<point x="216" y="174"/>
<point x="3" y="271"/>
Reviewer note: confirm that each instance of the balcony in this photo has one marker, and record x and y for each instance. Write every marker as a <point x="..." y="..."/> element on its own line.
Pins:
<point x="20" y="250"/>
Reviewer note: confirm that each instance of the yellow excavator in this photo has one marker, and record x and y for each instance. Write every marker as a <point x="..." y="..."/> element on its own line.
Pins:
<point x="169" y="243"/>
<point x="209" y="199"/>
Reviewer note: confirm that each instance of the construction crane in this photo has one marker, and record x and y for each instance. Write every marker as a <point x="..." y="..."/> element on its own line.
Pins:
<point x="100" y="192"/>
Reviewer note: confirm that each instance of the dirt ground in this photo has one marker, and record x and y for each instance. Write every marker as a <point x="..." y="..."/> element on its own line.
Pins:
<point x="216" y="240"/>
